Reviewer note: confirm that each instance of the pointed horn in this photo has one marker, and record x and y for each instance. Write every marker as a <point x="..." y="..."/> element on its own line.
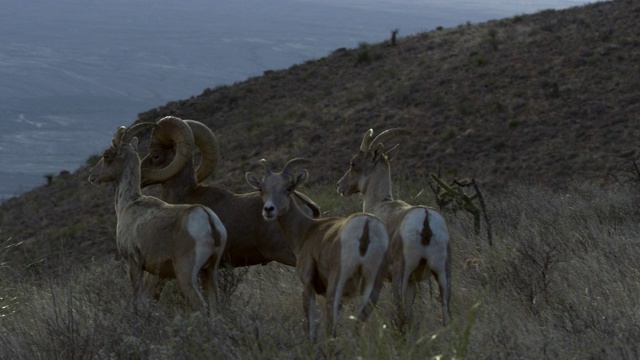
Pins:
<point x="117" y="137"/>
<point x="207" y="142"/>
<point x="266" y="166"/>
<point x="366" y="140"/>
<point x="169" y="131"/>
<point x="387" y="135"/>
<point x="288" y="167"/>
<point x="134" y="130"/>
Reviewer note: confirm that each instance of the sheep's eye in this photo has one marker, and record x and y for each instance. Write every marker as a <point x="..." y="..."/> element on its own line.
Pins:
<point x="290" y="188"/>
<point x="155" y="156"/>
<point x="106" y="156"/>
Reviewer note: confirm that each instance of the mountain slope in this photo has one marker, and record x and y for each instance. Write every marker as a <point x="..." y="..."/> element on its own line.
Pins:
<point x="549" y="98"/>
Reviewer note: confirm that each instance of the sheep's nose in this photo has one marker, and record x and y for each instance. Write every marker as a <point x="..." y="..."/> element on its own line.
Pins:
<point x="269" y="211"/>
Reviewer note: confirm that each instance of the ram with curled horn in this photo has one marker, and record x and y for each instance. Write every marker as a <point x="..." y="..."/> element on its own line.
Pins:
<point x="419" y="235"/>
<point x="337" y="257"/>
<point x="251" y="239"/>
<point x="165" y="240"/>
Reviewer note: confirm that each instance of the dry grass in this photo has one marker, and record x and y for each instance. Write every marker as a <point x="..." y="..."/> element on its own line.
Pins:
<point x="559" y="282"/>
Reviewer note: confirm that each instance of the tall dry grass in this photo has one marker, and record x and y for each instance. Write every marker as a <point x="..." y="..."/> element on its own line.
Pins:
<point x="560" y="281"/>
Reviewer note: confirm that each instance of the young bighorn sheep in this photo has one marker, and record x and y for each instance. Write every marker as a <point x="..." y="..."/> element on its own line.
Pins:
<point x="419" y="235"/>
<point x="168" y="241"/>
<point x="336" y="256"/>
<point x="251" y="239"/>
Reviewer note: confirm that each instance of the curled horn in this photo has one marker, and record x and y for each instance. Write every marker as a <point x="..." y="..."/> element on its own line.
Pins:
<point x="387" y="135"/>
<point x="169" y="131"/>
<point x="366" y="140"/>
<point x="292" y="164"/>
<point x="207" y="142"/>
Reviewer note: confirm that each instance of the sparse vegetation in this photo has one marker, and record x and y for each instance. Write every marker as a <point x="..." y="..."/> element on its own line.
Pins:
<point x="394" y="37"/>
<point x="550" y="287"/>
<point x="364" y="54"/>
<point x="493" y="40"/>
<point x="478" y="59"/>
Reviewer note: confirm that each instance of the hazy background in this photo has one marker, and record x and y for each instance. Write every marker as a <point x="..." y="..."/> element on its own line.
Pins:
<point x="71" y="71"/>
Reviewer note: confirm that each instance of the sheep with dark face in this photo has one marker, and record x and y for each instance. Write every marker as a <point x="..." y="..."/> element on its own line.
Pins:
<point x="337" y="257"/>
<point x="165" y="240"/>
<point x="419" y="235"/>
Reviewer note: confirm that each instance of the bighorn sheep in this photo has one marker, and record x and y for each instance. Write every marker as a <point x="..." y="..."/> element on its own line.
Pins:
<point x="419" y="235"/>
<point x="168" y="241"/>
<point x="170" y="163"/>
<point x="336" y="256"/>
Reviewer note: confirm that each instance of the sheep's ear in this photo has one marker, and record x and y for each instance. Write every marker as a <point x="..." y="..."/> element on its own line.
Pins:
<point x="301" y="178"/>
<point x="134" y="143"/>
<point x="253" y="180"/>
<point x="376" y="153"/>
<point x="391" y="153"/>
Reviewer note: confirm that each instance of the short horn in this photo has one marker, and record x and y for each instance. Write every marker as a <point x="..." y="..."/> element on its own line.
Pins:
<point x="266" y="166"/>
<point x="134" y="130"/>
<point x="289" y="166"/>
<point x="387" y="135"/>
<point x="117" y="137"/>
<point x="209" y="147"/>
<point x="366" y="140"/>
<point x="170" y="131"/>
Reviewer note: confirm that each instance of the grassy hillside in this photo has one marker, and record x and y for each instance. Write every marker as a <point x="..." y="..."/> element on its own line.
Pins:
<point x="542" y="110"/>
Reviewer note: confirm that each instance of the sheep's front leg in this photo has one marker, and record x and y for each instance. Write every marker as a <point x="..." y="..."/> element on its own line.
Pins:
<point x="153" y="286"/>
<point x="136" y="274"/>
<point x="309" y="304"/>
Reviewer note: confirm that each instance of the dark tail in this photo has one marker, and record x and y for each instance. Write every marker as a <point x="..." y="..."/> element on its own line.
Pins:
<point x="364" y="239"/>
<point x="426" y="229"/>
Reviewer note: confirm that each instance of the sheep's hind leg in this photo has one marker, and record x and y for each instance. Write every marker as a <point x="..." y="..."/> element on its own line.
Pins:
<point x="372" y="284"/>
<point x="188" y="281"/>
<point x="444" y="285"/>
<point x="210" y="281"/>
<point x="332" y="304"/>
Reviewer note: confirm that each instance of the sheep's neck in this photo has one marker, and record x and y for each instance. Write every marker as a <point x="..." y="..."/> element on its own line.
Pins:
<point x="128" y="187"/>
<point x="377" y="188"/>
<point x="295" y="225"/>
<point x="177" y="189"/>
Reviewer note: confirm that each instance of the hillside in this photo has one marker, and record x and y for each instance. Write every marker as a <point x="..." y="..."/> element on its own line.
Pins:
<point x="551" y="98"/>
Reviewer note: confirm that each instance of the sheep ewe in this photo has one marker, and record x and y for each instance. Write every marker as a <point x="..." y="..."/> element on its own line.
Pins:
<point x="170" y="162"/>
<point x="168" y="241"/>
<point x="419" y="236"/>
<point x="336" y="256"/>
